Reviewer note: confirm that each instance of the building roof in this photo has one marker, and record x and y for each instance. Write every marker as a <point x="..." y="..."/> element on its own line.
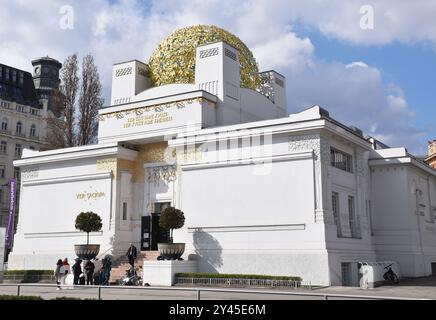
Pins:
<point x="17" y="85"/>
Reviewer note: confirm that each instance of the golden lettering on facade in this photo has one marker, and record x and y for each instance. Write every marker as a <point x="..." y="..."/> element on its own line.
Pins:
<point x="86" y="196"/>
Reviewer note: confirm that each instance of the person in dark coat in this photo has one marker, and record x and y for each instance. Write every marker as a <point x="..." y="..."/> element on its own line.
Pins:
<point x="106" y="270"/>
<point x="131" y="254"/>
<point x="89" y="272"/>
<point x="77" y="270"/>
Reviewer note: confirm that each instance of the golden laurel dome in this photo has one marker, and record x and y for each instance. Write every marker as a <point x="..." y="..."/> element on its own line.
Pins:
<point x="173" y="61"/>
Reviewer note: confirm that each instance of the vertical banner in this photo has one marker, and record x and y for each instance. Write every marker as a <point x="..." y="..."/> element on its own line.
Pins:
<point x="10" y="227"/>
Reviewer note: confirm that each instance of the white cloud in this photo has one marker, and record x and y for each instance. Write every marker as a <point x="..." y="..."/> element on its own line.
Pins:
<point x="354" y="93"/>
<point x="356" y="64"/>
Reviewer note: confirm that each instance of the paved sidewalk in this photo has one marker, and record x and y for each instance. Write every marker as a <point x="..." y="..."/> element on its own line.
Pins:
<point x="424" y="288"/>
<point x="418" y="288"/>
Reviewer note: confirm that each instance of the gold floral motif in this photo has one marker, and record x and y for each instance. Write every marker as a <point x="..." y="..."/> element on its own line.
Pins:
<point x="109" y="164"/>
<point x="173" y="61"/>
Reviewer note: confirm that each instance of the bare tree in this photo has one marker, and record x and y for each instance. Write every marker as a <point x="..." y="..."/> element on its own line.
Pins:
<point x="89" y="101"/>
<point x="73" y="121"/>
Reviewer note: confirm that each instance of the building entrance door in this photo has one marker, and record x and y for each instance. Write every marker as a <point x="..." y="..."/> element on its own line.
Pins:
<point x="151" y="233"/>
<point x="157" y="233"/>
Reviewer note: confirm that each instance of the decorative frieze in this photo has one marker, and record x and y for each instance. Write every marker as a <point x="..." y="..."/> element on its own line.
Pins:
<point x="29" y="173"/>
<point x="156" y="108"/>
<point x="161" y="173"/>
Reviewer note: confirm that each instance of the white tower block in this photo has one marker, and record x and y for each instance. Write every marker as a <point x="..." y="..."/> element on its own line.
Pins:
<point x="128" y="79"/>
<point x="217" y="71"/>
<point x="278" y="84"/>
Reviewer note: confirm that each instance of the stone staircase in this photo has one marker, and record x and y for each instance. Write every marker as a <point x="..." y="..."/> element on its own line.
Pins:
<point x="119" y="268"/>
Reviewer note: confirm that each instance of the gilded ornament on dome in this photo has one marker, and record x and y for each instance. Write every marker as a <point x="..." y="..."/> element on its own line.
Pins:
<point x="173" y="61"/>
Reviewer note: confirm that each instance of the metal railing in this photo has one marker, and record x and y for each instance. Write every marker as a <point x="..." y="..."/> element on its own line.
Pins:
<point x="198" y="291"/>
<point x="30" y="278"/>
<point x="232" y="282"/>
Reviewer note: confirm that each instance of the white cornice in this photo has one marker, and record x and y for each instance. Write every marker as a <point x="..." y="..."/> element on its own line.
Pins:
<point x="160" y="100"/>
<point x="303" y="154"/>
<point x="402" y="161"/>
<point x="76" y="153"/>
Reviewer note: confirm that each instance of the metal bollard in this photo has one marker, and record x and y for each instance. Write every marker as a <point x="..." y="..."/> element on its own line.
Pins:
<point x="18" y="290"/>
<point x="99" y="293"/>
<point x="198" y="295"/>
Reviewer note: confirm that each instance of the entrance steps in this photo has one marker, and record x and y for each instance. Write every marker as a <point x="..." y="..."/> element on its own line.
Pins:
<point x="122" y="265"/>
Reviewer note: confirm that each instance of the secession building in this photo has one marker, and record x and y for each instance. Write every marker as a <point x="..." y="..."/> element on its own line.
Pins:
<point x="24" y="103"/>
<point x="263" y="192"/>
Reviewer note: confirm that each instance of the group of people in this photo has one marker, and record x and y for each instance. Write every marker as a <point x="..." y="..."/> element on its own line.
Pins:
<point x="84" y="273"/>
<point x="87" y="274"/>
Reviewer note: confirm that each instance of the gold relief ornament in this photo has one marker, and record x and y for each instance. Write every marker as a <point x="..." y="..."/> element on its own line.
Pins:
<point x="173" y="61"/>
<point x="157" y="108"/>
<point x="109" y="164"/>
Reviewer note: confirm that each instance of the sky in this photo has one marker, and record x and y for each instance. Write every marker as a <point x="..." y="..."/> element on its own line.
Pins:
<point x="370" y="63"/>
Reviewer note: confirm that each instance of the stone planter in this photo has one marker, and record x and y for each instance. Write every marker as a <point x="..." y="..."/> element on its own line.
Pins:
<point x="171" y="251"/>
<point x="87" y="251"/>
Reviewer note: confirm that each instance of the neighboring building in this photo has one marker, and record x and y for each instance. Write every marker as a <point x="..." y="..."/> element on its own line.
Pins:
<point x="262" y="192"/>
<point x="431" y="158"/>
<point x="24" y="102"/>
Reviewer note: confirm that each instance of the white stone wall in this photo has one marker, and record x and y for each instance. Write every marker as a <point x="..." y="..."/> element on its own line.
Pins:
<point x="404" y="226"/>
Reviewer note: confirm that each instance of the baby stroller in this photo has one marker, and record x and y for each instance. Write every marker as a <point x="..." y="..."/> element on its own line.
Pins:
<point x="82" y="279"/>
<point x="130" y="279"/>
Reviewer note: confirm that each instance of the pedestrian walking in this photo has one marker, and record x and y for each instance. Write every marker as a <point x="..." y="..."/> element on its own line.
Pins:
<point x="59" y="272"/>
<point x="67" y="270"/>
<point x="132" y="254"/>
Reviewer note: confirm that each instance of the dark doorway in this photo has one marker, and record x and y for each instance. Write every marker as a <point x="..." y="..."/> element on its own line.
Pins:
<point x="433" y="268"/>
<point x="151" y="233"/>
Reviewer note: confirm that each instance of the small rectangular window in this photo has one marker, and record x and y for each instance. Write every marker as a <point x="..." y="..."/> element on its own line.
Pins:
<point x="2" y="171"/>
<point x="341" y="160"/>
<point x="18" y="149"/>
<point x="3" y="147"/>
<point x="336" y="214"/>
<point x="352" y="215"/>
<point x="124" y="210"/>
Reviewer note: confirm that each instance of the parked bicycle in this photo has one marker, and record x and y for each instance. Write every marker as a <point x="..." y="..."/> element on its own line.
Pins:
<point x="390" y="275"/>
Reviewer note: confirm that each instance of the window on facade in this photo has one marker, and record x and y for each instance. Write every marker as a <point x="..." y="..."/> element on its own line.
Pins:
<point x="17" y="173"/>
<point x="21" y="78"/>
<point x="370" y="217"/>
<point x="3" y="147"/>
<point x="352" y="216"/>
<point x="32" y="130"/>
<point x="14" y="76"/>
<point x="2" y="171"/>
<point x="18" y="127"/>
<point x="335" y="209"/>
<point x="18" y="149"/>
<point x="7" y="74"/>
<point x="1" y="196"/>
<point x="124" y="210"/>
<point x="4" y="124"/>
<point x="341" y="160"/>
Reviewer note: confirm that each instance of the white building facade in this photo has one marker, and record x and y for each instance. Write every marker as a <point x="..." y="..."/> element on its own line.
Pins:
<point x="262" y="192"/>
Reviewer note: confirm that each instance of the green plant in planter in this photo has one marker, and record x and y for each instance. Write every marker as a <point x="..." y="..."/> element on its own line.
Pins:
<point x="88" y="222"/>
<point x="170" y="219"/>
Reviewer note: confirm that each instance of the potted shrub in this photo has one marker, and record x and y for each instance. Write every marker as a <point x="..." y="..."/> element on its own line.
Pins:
<point x="87" y="222"/>
<point x="170" y="219"/>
